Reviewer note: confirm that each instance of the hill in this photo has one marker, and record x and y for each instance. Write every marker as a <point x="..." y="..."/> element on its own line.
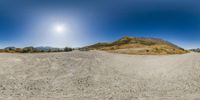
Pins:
<point x="134" y="45"/>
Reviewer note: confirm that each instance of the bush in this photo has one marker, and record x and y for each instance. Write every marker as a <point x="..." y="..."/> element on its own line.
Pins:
<point x="27" y="50"/>
<point x="19" y="50"/>
<point x="67" y="49"/>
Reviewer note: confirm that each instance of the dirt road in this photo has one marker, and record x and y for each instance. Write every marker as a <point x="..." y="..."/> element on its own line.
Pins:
<point x="98" y="75"/>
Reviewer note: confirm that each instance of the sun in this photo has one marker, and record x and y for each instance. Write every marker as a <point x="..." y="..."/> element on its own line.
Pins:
<point x="59" y="28"/>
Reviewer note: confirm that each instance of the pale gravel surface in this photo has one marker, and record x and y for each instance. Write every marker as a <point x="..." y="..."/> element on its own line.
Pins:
<point x="98" y="75"/>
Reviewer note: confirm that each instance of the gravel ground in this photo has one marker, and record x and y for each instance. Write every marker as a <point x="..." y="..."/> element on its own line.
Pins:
<point x="96" y="75"/>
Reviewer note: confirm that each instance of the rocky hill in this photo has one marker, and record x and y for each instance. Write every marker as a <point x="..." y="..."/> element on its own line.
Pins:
<point x="134" y="45"/>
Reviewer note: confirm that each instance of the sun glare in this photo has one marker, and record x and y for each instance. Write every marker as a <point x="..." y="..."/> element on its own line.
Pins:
<point x="59" y="28"/>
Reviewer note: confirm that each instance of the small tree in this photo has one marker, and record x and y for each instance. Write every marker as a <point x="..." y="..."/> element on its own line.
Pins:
<point x="27" y="50"/>
<point x="67" y="49"/>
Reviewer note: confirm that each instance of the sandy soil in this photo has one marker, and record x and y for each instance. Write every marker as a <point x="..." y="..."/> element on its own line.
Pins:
<point x="98" y="75"/>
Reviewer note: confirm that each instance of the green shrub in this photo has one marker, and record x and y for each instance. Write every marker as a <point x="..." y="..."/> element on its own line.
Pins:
<point x="67" y="49"/>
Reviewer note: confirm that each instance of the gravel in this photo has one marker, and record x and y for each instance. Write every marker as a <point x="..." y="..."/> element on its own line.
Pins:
<point x="96" y="75"/>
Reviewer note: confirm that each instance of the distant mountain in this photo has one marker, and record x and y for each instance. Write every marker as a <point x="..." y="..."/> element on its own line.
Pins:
<point x="32" y="49"/>
<point x="10" y="48"/>
<point x="195" y="50"/>
<point x="46" y="49"/>
<point x="134" y="45"/>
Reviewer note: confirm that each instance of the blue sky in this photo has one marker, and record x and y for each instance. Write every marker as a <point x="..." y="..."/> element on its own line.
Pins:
<point x="31" y="22"/>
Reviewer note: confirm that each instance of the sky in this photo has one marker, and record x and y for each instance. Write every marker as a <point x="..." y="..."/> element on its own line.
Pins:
<point x="77" y="23"/>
